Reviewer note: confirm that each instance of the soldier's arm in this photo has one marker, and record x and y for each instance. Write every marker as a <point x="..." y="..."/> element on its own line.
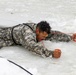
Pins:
<point x="30" y="42"/>
<point x="59" y="36"/>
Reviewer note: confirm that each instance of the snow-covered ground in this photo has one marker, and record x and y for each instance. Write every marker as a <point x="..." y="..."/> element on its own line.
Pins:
<point x="61" y="14"/>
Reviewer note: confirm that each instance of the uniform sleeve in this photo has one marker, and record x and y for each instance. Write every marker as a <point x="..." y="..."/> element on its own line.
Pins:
<point x="59" y="36"/>
<point x="30" y="42"/>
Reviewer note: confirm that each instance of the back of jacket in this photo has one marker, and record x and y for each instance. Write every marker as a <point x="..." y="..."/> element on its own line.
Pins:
<point x="20" y="30"/>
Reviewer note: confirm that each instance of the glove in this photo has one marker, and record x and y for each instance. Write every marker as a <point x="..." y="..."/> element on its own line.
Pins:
<point x="56" y="53"/>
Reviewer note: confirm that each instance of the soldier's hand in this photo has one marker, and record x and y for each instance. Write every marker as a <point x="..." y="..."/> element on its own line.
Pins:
<point x="56" y="53"/>
<point x="74" y="37"/>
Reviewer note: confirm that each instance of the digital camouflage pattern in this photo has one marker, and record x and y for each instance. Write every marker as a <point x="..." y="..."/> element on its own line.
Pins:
<point x="59" y="36"/>
<point x="24" y="35"/>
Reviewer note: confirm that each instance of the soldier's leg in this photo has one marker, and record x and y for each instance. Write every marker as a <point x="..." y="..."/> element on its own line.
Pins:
<point x="5" y="37"/>
<point x="5" y="43"/>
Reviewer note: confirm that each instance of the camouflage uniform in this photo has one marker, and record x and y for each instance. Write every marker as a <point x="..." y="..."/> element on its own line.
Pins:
<point x="24" y="35"/>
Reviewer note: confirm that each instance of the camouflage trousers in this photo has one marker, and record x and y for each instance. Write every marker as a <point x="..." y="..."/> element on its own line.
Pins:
<point x="5" y="37"/>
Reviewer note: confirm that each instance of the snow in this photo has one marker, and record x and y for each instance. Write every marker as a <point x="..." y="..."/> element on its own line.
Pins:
<point x="61" y="14"/>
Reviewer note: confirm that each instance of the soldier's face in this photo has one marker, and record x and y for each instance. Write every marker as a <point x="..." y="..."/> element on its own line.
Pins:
<point x="41" y="35"/>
